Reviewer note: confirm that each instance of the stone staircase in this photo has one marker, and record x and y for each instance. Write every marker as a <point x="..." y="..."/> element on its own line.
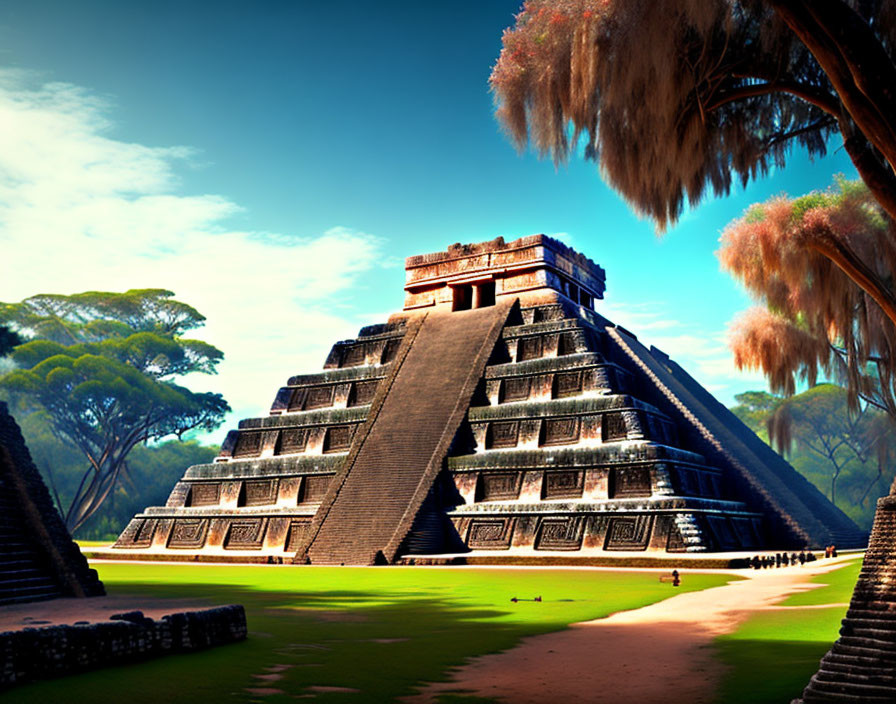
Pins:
<point x="23" y="576"/>
<point x="373" y="502"/>
<point x="860" y="668"/>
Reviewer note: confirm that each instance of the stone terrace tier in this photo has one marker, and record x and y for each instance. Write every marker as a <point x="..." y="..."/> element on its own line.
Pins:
<point x="533" y="429"/>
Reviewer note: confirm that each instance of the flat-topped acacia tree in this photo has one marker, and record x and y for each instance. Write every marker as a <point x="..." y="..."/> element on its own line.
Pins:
<point x="674" y="97"/>
<point x="99" y="367"/>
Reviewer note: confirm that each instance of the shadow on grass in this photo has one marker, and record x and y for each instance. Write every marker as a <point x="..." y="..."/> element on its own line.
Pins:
<point x="347" y="639"/>
<point x="345" y="634"/>
<point x="767" y="672"/>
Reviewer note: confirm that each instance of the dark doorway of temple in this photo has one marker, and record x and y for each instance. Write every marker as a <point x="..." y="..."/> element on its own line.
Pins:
<point x="462" y="297"/>
<point x="485" y="294"/>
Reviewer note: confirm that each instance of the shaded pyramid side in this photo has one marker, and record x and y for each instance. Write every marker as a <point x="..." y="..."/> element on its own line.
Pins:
<point x="38" y="559"/>
<point x="792" y="504"/>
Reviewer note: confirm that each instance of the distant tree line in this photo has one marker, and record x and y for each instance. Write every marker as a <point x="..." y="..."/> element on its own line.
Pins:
<point x="849" y="455"/>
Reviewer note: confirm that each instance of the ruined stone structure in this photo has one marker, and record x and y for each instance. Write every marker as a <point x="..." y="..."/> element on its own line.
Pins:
<point x="498" y="414"/>
<point x="860" y="668"/>
<point x="38" y="559"/>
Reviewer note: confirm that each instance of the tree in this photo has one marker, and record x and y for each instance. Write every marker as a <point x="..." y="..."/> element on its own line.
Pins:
<point x="675" y="97"/>
<point x="819" y="420"/>
<point x="99" y="366"/>
<point x="754" y="409"/>
<point x="848" y="455"/>
<point x="813" y="317"/>
<point x="8" y="340"/>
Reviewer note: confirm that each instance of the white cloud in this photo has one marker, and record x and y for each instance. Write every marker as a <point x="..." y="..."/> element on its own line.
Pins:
<point x="80" y="210"/>
<point x="703" y="353"/>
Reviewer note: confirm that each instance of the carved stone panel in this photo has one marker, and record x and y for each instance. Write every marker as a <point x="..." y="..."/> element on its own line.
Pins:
<point x="259" y="492"/>
<point x="138" y="533"/>
<point x="314" y="486"/>
<point x="390" y="349"/>
<point x="630" y="482"/>
<point x="687" y="483"/>
<point x="248" y="444"/>
<point x="246" y="534"/>
<point x="355" y="355"/>
<point x="291" y="441"/>
<point x="568" y="344"/>
<point x="567" y="384"/>
<point x="490" y="533"/>
<point x="338" y="438"/>
<point x="560" y="534"/>
<point x="614" y="427"/>
<point x="205" y="494"/>
<point x="560" y="431"/>
<point x="297" y="529"/>
<point x="563" y="484"/>
<point x="529" y="348"/>
<point x="362" y="393"/>
<point x="628" y="532"/>
<point x="515" y="389"/>
<point x="674" y="541"/>
<point x="503" y="434"/>
<point x="319" y="397"/>
<point x="297" y="400"/>
<point x="498" y="486"/>
<point x="743" y="528"/>
<point x="188" y="533"/>
<point x="724" y="534"/>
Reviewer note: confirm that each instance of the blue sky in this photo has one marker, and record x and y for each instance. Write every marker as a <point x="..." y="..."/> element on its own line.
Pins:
<point x="274" y="162"/>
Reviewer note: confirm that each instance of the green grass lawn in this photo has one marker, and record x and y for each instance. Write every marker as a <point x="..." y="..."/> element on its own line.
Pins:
<point x="774" y="653"/>
<point x="379" y="631"/>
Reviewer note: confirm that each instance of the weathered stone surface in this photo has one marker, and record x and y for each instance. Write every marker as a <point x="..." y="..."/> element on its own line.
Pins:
<point x="570" y="437"/>
<point x="53" y="651"/>
<point x="860" y="668"/>
<point x="38" y="559"/>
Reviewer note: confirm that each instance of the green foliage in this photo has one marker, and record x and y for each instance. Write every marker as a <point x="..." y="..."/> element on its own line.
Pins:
<point x="99" y="315"/>
<point x="99" y="368"/>
<point x="828" y="444"/>
<point x="754" y="408"/>
<point x="382" y="631"/>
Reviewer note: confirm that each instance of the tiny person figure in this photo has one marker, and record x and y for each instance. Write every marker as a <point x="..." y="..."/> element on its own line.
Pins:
<point x="802" y="557"/>
<point x="833" y="551"/>
<point x="676" y="579"/>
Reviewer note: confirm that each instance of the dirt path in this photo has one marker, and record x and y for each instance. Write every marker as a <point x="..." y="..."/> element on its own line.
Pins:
<point x="657" y="653"/>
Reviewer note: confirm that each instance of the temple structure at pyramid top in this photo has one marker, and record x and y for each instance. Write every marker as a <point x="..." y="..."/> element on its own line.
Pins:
<point x="533" y="269"/>
<point x="498" y="416"/>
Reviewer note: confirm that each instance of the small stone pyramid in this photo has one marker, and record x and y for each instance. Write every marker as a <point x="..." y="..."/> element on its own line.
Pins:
<point x="38" y="559"/>
<point x="499" y="414"/>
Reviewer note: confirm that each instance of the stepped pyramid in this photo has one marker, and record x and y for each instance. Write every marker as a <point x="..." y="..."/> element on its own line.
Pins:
<point x="860" y="668"/>
<point x="498" y="414"/>
<point x="38" y="559"/>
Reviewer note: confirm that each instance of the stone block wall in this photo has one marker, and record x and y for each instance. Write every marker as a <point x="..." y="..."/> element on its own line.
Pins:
<point x="53" y="651"/>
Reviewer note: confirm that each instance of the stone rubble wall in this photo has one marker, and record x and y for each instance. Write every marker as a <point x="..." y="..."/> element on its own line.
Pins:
<point x="53" y="651"/>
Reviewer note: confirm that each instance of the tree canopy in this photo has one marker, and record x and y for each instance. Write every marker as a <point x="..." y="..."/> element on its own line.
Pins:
<point x="814" y="319"/>
<point x="676" y="97"/>
<point x="99" y="366"/>
<point x="848" y="455"/>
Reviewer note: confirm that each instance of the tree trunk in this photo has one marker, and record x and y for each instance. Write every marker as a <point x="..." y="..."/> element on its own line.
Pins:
<point x="857" y="65"/>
